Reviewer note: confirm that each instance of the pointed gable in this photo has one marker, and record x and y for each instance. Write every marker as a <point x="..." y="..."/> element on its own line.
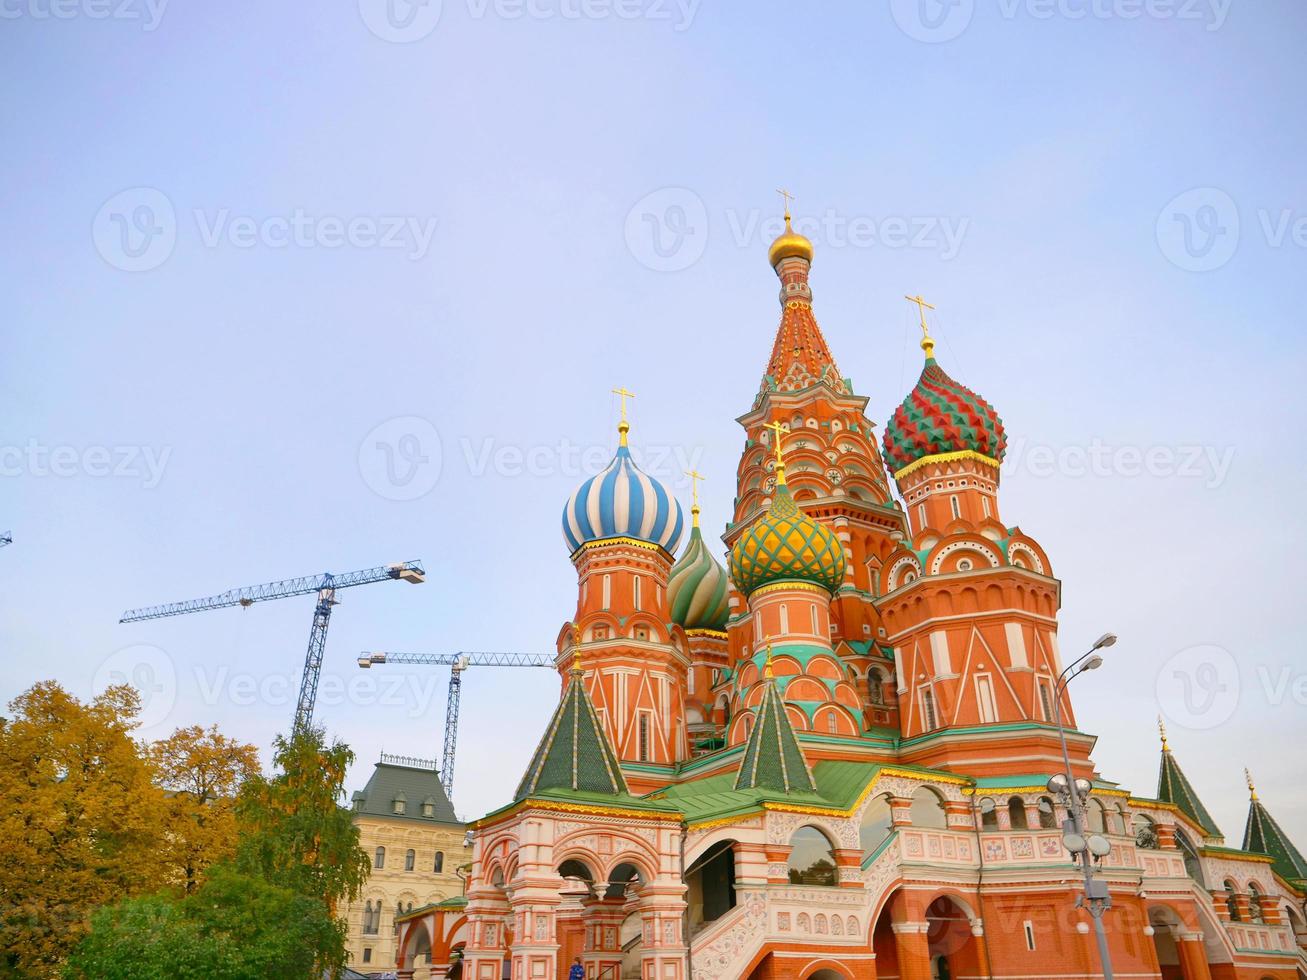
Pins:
<point x="575" y="754"/>
<point x="1262" y="835"/>
<point x="772" y="757"/>
<point x="1174" y="787"/>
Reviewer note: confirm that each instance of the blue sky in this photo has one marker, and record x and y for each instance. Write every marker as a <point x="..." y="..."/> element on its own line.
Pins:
<point x="246" y="247"/>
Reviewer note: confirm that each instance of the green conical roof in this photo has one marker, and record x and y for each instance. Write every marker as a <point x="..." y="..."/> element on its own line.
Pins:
<point x="772" y="757"/>
<point x="1263" y="835"/>
<point x="575" y="754"/>
<point x="1174" y="787"/>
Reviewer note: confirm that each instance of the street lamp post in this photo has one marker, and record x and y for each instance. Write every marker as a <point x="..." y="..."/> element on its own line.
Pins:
<point x="1074" y="792"/>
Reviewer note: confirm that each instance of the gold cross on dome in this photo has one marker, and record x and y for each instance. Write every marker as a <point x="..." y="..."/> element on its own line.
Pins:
<point x="927" y="344"/>
<point x="695" y="477"/>
<point x="624" y="395"/>
<point x="1252" y="790"/>
<point x="776" y="429"/>
<point x="623" y="427"/>
<point x="788" y="198"/>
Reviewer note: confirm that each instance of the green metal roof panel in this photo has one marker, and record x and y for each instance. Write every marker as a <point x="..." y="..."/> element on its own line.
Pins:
<point x="1174" y="787"/>
<point x="574" y="754"/>
<point x="772" y="757"/>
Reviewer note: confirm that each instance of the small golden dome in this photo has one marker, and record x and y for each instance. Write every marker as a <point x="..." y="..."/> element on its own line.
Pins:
<point x="790" y="244"/>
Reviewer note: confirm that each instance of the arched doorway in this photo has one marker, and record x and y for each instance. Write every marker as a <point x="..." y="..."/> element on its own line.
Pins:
<point x="710" y="885"/>
<point x="954" y="951"/>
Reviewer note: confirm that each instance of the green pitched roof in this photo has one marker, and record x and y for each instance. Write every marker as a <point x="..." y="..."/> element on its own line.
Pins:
<point x="772" y="757"/>
<point x="1174" y="787"/>
<point x="1263" y="835"/>
<point x="416" y="785"/>
<point x="575" y="754"/>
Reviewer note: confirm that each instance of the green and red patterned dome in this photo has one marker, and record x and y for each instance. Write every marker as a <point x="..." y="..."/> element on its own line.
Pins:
<point x="941" y="417"/>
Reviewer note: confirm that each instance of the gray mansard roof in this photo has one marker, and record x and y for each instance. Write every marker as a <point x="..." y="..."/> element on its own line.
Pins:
<point x="415" y="782"/>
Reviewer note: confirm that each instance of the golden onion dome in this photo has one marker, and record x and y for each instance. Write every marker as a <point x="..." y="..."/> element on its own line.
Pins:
<point x="789" y="245"/>
<point x="787" y="545"/>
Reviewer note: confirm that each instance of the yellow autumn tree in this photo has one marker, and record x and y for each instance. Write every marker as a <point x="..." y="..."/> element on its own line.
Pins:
<point x="82" y="825"/>
<point x="201" y="771"/>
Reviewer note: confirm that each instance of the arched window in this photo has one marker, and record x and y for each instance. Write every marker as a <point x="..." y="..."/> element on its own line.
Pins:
<point x="440" y="862"/>
<point x="410" y="857"/>
<point x="929" y="721"/>
<point x="812" y="861"/>
<point x="1232" y="901"/>
<point x="928" y="809"/>
<point x="371" y="918"/>
<point x="1115" y="819"/>
<point x="1097" y="817"/>
<point x="1192" y="866"/>
<point x="988" y="814"/>
<point x="875" y="687"/>
<point x="1016" y="813"/>
<point x="1047" y="815"/>
<point x="1255" y="904"/>
<point x="877" y="822"/>
<point x="1145" y="832"/>
<point x="379" y="858"/>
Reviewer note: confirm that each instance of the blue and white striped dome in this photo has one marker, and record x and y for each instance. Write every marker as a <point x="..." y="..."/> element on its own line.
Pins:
<point x="623" y="502"/>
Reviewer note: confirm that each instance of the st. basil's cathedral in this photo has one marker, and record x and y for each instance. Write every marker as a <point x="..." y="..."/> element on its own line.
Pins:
<point x="829" y="756"/>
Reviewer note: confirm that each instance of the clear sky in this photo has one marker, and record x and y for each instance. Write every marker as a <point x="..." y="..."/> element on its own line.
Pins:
<point x="291" y="290"/>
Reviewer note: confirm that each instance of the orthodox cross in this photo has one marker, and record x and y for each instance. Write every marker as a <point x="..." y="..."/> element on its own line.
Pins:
<point x="788" y="198"/>
<point x="695" y="477"/>
<point x="1252" y="790"/>
<point x="776" y="429"/>
<point x="927" y="344"/>
<point x="623" y="427"/>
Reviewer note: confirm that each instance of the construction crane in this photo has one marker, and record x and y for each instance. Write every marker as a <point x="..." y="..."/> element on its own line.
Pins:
<point x="325" y="585"/>
<point x="6" y="537"/>
<point x="457" y="663"/>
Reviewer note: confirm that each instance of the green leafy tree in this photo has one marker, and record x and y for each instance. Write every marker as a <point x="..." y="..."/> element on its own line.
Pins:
<point x="82" y="822"/>
<point x="234" y="927"/>
<point x="295" y="832"/>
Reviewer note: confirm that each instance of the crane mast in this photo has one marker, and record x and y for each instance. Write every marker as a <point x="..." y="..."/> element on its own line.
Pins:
<point x="457" y="663"/>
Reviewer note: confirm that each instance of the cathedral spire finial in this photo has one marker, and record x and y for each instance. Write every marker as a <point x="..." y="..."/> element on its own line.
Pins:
<point x="1252" y="789"/>
<point x="788" y="198"/>
<point x="776" y="429"/>
<point x="927" y="344"/>
<point x="695" y="477"/>
<point x="1161" y="730"/>
<point x="623" y="427"/>
<point x="767" y="671"/>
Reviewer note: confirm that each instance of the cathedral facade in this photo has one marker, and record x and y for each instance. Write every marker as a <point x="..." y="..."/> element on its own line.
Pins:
<point x="828" y="755"/>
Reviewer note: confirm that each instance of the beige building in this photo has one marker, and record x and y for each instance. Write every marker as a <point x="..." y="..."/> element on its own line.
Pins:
<point x="409" y="830"/>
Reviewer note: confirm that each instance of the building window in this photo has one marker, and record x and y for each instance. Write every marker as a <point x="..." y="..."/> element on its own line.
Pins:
<point x="644" y="736"/>
<point x="928" y="810"/>
<point x="875" y="687"/>
<point x="984" y="505"/>
<point x="428" y="807"/>
<point x="410" y="857"/>
<point x="832" y="723"/>
<point x="371" y="918"/>
<point x="1145" y="833"/>
<point x="921" y="513"/>
<point x="642" y="632"/>
<point x="1047" y="816"/>
<point x="957" y="508"/>
<point x="985" y="699"/>
<point x="1030" y="935"/>
<point x="608" y="590"/>
<point x="1232" y="901"/>
<point x="399" y="802"/>
<point x="635" y="591"/>
<point x="929" y="721"/>
<point x="1255" y="904"/>
<point x="988" y="814"/>
<point x="813" y="610"/>
<point x="440" y="862"/>
<point x="367" y="954"/>
<point x="1046" y="699"/>
<point x="1097" y="817"/>
<point x="379" y="858"/>
<point x="1016" y="813"/>
<point x="812" y="860"/>
<point x="785" y="618"/>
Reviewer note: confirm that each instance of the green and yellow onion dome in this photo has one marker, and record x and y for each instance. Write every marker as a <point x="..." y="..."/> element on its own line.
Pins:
<point x="786" y="545"/>
<point x="697" y="587"/>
